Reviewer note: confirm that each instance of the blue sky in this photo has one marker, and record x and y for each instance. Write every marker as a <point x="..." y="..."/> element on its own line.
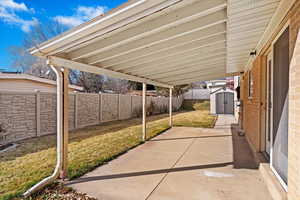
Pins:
<point x="18" y="16"/>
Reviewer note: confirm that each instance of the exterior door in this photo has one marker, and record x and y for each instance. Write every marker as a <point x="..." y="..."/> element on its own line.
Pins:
<point x="224" y="103"/>
<point x="269" y="104"/>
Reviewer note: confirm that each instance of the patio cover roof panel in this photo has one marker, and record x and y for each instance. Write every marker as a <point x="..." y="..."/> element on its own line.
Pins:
<point x="247" y="22"/>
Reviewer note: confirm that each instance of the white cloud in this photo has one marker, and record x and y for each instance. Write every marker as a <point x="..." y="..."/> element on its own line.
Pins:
<point x="82" y="14"/>
<point x="13" y="5"/>
<point x="68" y="21"/>
<point x="8" y="9"/>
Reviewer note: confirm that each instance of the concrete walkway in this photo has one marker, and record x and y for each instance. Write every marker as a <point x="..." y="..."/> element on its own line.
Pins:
<point x="181" y="164"/>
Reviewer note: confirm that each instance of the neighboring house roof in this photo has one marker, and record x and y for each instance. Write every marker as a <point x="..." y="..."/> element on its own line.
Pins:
<point x="16" y="76"/>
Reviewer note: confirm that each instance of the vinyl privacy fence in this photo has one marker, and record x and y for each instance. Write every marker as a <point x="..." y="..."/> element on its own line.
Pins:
<point x="33" y="114"/>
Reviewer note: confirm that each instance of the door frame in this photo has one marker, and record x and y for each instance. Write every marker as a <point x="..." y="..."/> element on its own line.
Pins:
<point x="283" y="184"/>
<point x="269" y="111"/>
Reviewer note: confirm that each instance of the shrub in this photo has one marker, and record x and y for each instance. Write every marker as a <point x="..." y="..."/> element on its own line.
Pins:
<point x="196" y="105"/>
<point x="151" y="108"/>
<point x="137" y="112"/>
<point x="205" y="105"/>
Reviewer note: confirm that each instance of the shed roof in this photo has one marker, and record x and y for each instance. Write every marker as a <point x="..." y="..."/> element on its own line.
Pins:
<point x="168" y="42"/>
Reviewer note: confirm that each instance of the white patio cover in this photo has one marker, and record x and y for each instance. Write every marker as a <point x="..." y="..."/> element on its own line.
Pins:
<point x="168" y="42"/>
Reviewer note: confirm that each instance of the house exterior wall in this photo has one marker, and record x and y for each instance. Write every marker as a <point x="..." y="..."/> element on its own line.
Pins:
<point x="251" y="105"/>
<point x="294" y="106"/>
<point x="27" y="85"/>
<point x="294" y="126"/>
<point x="254" y="109"/>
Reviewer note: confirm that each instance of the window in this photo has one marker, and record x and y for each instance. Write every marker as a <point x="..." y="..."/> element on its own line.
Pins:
<point x="250" y="85"/>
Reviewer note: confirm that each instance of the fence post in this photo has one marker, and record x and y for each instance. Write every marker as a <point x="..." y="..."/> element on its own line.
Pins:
<point x="99" y="108"/>
<point x="144" y="111"/>
<point x="131" y="112"/>
<point x="76" y="111"/>
<point x="170" y="107"/>
<point x="119" y="107"/>
<point x="38" y="112"/>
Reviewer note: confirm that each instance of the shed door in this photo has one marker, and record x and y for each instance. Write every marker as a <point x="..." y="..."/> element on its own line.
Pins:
<point x="224" y="103"/>
<point x="220" y="103"/>
<point x="228" y="103"/>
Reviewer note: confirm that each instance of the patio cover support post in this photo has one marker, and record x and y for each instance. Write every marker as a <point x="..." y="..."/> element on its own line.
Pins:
<point x="144" y="111"/>
<point x="65" y="96"/>
<point x="170" y="107"/>
<point x="60" y="142"/>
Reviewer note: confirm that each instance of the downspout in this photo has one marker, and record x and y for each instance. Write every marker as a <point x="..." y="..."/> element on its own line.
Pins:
<point x="59" y="150"/>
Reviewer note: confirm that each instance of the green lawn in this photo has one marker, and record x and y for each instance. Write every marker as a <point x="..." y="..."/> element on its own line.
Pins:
<point x="89" y="147"/>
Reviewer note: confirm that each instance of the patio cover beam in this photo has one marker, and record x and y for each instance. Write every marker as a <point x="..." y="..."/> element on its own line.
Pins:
<point x="199" y="73"/>
<point x="56" y="61"/>
<point x="198" y="78"/>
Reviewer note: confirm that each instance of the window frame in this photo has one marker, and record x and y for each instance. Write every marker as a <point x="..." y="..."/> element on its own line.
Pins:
<point x="250" y="85"/>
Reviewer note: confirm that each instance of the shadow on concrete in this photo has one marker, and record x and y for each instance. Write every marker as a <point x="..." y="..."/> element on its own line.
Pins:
<point x="150" y="172"/>
<point x="185" y="138"/>
<point x="242" y="154"/>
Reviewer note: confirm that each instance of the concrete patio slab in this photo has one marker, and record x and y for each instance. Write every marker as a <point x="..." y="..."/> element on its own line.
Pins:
<point x="182" y="163"/>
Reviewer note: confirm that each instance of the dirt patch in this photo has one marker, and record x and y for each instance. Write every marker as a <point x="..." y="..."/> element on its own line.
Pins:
<point x="58" y="192"/>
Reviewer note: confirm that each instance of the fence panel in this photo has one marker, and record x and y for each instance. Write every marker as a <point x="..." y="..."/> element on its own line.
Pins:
<point x="31" y="114"/>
